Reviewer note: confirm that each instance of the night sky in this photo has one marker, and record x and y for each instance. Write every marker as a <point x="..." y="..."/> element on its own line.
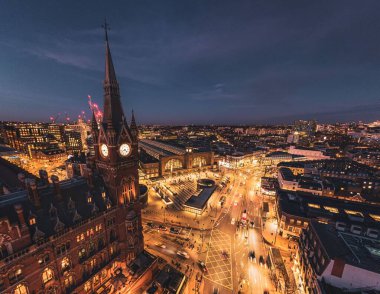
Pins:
<point x="180" y="62"/>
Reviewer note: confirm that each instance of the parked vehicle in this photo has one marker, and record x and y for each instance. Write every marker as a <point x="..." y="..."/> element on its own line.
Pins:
<point x="202" y="266"/>
<point x="162" y="228"/>
<point x="183" y="254"/>
<point x="174" y="231"/>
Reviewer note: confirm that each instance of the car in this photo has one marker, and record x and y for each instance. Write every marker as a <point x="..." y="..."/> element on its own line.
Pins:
<point x="261" y="260"/>
<point x="225" y="254"/>
<point x="183" y="254"/>
<point x="162" y="228"/>
<point x="163" y="246"/>
<point x="252" y="256"/>
<point x="174" y="231"/>
<point x="202" y="266"/>
<point x="233" y="221"/>
<point x="150" y="225"/>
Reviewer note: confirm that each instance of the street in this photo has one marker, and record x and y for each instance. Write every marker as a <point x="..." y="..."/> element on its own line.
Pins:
<point x="224" y="243"/>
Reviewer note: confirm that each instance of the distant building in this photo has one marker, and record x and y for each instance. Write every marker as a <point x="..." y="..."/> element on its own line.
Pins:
<point x="304" y="131"/>
<point x="308" y="153"/>
<point x="34" y="138"/>
<point x="73" y="142"/>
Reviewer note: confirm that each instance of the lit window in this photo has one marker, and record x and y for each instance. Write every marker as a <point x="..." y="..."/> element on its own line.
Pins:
<point x="96" y="280"/>
<point x="376" y="217"/>
<point x="353" y="212"/>
<point x="65" y="264"/>
<point x="32" y="220"/>
<point x="21" y="289"/>
<point x="87" y="287"/>
<point x="89" y="199"/>
<point x="331" y="209"/>
<point x="69" y="281"/>
<point x="47" y="275"/>
<point x="312" y="205"/>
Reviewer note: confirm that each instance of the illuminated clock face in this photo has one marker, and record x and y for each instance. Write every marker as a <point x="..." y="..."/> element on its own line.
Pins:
<point x="104" y="150"/>
<point x="124" y="149"/>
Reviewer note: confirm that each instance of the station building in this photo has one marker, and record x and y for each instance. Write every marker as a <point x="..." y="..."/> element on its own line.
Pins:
<point x="160" y="158"/>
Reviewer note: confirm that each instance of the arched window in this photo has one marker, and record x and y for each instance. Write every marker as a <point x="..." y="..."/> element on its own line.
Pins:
<point x="173" y="164"/>
<point x="113" y="236"/>
<point x="100" y="243"/>
<point x="199" y="161"/>
<point x="65" y="264"/>
<point x="47" y="275"/>
<point x="128" y="190"/>
<point x="93" y="263"/>
<point x="21" y="289"/>
<point x="91" y="247"/>
<point x="69" y="281"/>
<point x="87" y="287"/>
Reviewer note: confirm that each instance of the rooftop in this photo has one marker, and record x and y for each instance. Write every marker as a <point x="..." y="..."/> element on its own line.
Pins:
<point x="311" y="206"/>
<point x="355" y="250"/>
<point x="199" y="201"/>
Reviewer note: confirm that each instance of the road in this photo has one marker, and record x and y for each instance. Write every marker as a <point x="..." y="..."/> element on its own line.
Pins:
<point x="227" y="245"/>
<point x="246" y="276"/>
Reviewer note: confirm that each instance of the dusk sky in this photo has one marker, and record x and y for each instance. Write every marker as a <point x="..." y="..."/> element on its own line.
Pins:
<point x="179" y="62"/>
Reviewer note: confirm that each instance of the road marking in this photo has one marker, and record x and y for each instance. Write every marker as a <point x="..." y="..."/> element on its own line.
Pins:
<point x="219" y="267"/>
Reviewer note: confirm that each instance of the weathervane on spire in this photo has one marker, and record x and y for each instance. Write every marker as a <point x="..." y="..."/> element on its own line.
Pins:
<point x="106" y="28"/>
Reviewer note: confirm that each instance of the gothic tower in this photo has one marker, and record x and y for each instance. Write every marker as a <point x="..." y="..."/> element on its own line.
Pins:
<point x="116" y="158"/>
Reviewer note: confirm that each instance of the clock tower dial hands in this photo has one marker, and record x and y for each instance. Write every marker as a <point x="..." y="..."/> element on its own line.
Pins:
<point x="124" y="149"/>
<point x="104" y="150"/>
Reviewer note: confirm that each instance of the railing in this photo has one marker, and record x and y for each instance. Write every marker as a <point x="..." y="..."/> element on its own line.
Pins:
<point x="16" y="255"/>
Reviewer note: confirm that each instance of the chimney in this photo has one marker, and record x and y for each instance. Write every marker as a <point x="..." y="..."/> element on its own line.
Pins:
<point x="33" y="192"/>
<point x="44" y="178"/>
<point x="20" y="215"/>
<point x="57" y="188"/>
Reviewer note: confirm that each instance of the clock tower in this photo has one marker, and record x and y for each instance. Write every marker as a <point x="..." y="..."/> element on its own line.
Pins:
<point x="116" y="158"/>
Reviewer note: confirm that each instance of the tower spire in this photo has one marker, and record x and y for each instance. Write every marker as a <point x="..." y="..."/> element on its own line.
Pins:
<point x="113" y="111"/>
<point x="134" y="129"/>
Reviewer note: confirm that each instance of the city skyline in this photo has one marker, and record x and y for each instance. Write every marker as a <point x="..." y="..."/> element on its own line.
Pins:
<point x="252" y="63"/>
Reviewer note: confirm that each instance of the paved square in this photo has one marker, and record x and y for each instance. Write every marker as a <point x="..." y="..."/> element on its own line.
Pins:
<point x="219" y="267"/>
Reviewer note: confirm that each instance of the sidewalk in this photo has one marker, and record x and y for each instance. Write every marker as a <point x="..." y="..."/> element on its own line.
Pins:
<point x="156" y="211"/>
